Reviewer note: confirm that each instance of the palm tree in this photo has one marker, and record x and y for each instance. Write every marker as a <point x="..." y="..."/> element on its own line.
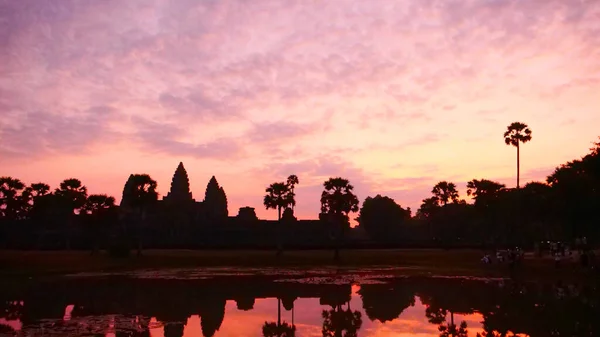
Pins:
<point x="517" y="133"/>
<point x="483" y="190"/>
<point x="97" y="208"/>
<point x="14" y="202"/>
<point x="278" y="197"/>
<point x="483" y="187"/>
<point x="10" y="201"/>
<point x="39" y="189"/>
<point x="292" y="181"/>
<point x="142" y="196"/>
<point x="337" y="201"/>
<point x="445" y="192"/>
<point x="72" y="195"/>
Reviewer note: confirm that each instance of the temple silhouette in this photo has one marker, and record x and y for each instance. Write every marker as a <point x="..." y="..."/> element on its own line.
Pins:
<point x="179" y="220"/>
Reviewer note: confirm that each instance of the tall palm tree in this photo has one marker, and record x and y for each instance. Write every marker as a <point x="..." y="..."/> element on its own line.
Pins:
<point x="292" y="181"/>
<point x="278" y="197"/>
<point x="337" y="201"/>
<point x="142" y="196"/>
<point x="72" y="195"/>
<point x="517" y="133"/>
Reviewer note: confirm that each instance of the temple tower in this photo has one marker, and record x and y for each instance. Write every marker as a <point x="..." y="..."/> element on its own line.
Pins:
<point x="215" y="200"/>
<point x="180" y="187"/>
<point x="127" y="197"/>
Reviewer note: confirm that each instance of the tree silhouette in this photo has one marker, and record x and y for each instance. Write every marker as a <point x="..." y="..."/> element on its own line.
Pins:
<point x="385" y="302"/>
<point x="445" y="192"/>
<point x="337" y="201"/>
<point x="517" y="133"/>
<point x="39" y="189"/>
<point x="451" y="330"/>
<point x="482" y="189"/>
<point x="341" y="323"/>
<point x="278" y="197"/>
<point x="278" y="329"/>
<point x="271" y="329"/>
<point x="73" y="192"/>
<point x="12" y="200"/>
<point x="292" y="181"/>
<point x="72" y="195"/>
<point x="96" y="203"/>
<point x="97" y="208"/>
<point x="428" y="207"/>
<point x="139" y="196"/>
<point x="382" y="217"/>
<point x="576" y="189"/>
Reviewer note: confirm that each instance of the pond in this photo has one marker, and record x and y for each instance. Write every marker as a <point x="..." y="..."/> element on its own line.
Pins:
<point x="303" y="303"/>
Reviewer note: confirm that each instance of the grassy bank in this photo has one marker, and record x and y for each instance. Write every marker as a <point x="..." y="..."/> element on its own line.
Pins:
<point x="411" y="261"/>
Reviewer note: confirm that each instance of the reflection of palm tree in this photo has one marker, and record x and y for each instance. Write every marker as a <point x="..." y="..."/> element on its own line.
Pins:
<point x="435" y="315"/>
<point x="341" y="323"/>
<point x="278" y="329"/>
<point x="452" y="331"/>
<point x="271" y="329"/>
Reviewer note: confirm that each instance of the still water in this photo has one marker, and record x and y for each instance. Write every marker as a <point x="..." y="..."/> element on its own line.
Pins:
<point x="298" y="305"/>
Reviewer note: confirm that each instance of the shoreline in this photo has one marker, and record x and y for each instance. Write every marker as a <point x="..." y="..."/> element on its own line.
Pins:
<point x="410" y="262"/>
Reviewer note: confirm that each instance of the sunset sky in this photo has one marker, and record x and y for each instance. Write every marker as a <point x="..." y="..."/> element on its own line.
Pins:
<point x="393" y="95"/>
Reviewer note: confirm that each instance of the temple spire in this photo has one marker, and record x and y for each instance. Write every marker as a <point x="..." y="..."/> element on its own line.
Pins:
<point x="180" y="186"/>
<point x="215" y="200"/>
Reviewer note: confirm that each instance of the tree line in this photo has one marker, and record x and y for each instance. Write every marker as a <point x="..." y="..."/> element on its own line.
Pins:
<point x="563" y="207"/>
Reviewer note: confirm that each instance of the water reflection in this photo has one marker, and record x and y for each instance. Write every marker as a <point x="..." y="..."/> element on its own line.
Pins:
<point x="254" y="306"/>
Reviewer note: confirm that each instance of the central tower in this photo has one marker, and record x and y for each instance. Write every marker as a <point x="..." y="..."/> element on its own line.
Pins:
<point x="180" y="186"/>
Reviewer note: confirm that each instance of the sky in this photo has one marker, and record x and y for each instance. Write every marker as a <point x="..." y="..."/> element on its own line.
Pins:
<point x="392" y="95"/>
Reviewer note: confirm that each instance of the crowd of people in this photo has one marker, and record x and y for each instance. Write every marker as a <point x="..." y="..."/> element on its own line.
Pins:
<point x="559" y="251"/>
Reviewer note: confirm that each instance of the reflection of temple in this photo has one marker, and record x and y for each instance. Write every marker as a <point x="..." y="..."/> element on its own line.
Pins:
<point x="128" y="305"/>
<point x="179" y="220"/>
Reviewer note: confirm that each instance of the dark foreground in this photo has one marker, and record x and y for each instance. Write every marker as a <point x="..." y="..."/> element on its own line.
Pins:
<point x="409" y="261"/>
<point x="308" y="302"/>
